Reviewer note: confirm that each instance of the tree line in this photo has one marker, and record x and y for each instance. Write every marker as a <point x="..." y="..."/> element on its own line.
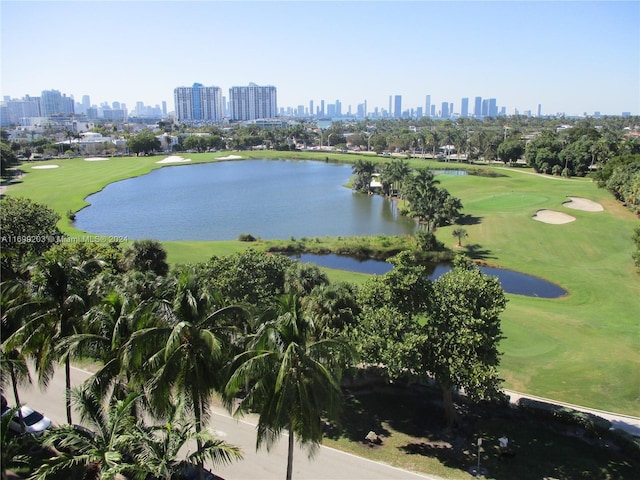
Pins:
<point x="263" y="332"/>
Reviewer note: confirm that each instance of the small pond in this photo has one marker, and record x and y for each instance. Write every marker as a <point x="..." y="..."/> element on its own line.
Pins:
<point x="512" y="282"/>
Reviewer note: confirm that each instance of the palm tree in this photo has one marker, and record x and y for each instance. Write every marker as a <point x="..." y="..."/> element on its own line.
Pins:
<point x="290" y="380"/>
<point x="459" y="233"/>
<point x="16" y="304"/>
<point x="401" y="171"/>
<point x="12" y="448"/>
<point x="60" y="291"/>
<point x="332" y="307"/>
<point x="187" y="351"/>
<point x="165" y="443"/>
<point x="104" y="450"/>
<point x="363" y="170"/>
<point x="110" y="324"/>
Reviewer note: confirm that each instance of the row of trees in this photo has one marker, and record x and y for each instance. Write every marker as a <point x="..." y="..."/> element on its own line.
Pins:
<point x="264" y="327"/>
<point x="585" y="142"/>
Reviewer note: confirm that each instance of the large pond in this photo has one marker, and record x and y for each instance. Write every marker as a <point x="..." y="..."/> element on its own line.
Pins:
<point x="512" y="282"/>
<point x="219" y="201"/>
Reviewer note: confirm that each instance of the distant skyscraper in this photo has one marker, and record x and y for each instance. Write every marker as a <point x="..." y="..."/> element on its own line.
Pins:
<point x="539" y="109"/>
<point x="427" y="106"/>
<point x="485" y="108"/>
<point x="493" y="107"/>
<point x="477" y="110"/>
<point x="198" y="103"/>
<point x="52" y="102"/>
<point x="311" y="107"/>
<point x="464" y="107"/>
<point x="445" y="110"/>
<point x="253" y="102"/>
<point x="397" y="112"/>
<point x="164" y="108"/>
<point x="322" y="112"/>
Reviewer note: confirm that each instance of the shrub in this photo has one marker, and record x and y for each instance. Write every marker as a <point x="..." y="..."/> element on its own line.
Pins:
<point x="246" y="237"/>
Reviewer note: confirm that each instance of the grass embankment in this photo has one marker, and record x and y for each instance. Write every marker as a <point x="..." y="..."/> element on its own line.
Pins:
<point x="582" y="349"/>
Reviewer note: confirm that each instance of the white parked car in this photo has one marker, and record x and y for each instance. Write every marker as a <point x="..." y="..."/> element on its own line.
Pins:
<point x="34" y="422"/>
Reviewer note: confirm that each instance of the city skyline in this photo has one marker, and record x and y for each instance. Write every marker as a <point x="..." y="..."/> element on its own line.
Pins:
<point x="570" y="57"/>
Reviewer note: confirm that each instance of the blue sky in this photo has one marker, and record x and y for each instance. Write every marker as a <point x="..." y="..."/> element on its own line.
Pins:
<point x="570" y="56"/>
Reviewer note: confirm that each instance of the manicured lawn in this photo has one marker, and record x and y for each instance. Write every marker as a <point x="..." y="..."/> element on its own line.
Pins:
<point x="582" y="349"/>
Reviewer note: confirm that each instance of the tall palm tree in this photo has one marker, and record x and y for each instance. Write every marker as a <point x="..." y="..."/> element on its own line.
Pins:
<point x="110" y="324"/>
<point x="15" y="304"/>
<point x="401" y="171"/>
<point x="363" y="170"/>
<point x="60" y="282"/>
<point x="104" y="450"/>
<point x="188" y="351"/>
<point x="290" y="380"/>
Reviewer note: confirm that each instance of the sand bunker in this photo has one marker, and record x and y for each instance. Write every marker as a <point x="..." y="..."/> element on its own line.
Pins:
<point x="95" y="159"/>
<point x="229" y="157"/>
<point x="44" y="167"/>
<point x="551" y="216"/>
<point x="578" y="203"/>
<point x="174" y="159"/>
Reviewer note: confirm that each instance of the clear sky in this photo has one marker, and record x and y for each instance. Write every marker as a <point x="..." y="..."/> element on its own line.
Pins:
<point x="569" y="56"/>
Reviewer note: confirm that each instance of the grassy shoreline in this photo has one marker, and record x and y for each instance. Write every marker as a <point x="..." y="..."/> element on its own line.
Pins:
<point x="580" y="349"/>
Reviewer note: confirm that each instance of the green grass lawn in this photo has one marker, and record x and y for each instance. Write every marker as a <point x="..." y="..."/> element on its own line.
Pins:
<point x="582" y="349"/>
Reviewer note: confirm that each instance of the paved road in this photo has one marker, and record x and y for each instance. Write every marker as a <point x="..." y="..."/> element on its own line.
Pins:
<point x="328" y="464"/>
<point x="621" y="422"/>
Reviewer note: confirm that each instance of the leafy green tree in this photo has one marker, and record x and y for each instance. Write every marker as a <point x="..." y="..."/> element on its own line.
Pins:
<point x="28" y="228"/>
<point x="510" y="151"/>
<point x="463" y="332"/>
<point x="143" y="142"/>
<point x="292" y="381"/>
<point x="542" y="151"/>
<point x="250" y="277"/>
<point x="8" y="158"/>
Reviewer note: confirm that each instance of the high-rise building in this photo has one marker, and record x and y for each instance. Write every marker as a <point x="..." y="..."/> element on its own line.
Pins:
<point x="427" y="106"/>
<point x="464" y="107"/>
<point x="397" y="111"/>
<point x="311" y="107"/>
<point x="198" y="103"/>
<point x="493" y="107"/>
<point x="253" y="102"/>
<point x="445" y="110"/>
<point x="539" y="109"/>
<point x="477" y="110"/>
<point x="52" y="102"/>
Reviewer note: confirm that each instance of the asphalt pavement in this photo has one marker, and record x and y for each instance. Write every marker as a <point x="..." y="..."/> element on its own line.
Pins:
<point x="328" y="463"/>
